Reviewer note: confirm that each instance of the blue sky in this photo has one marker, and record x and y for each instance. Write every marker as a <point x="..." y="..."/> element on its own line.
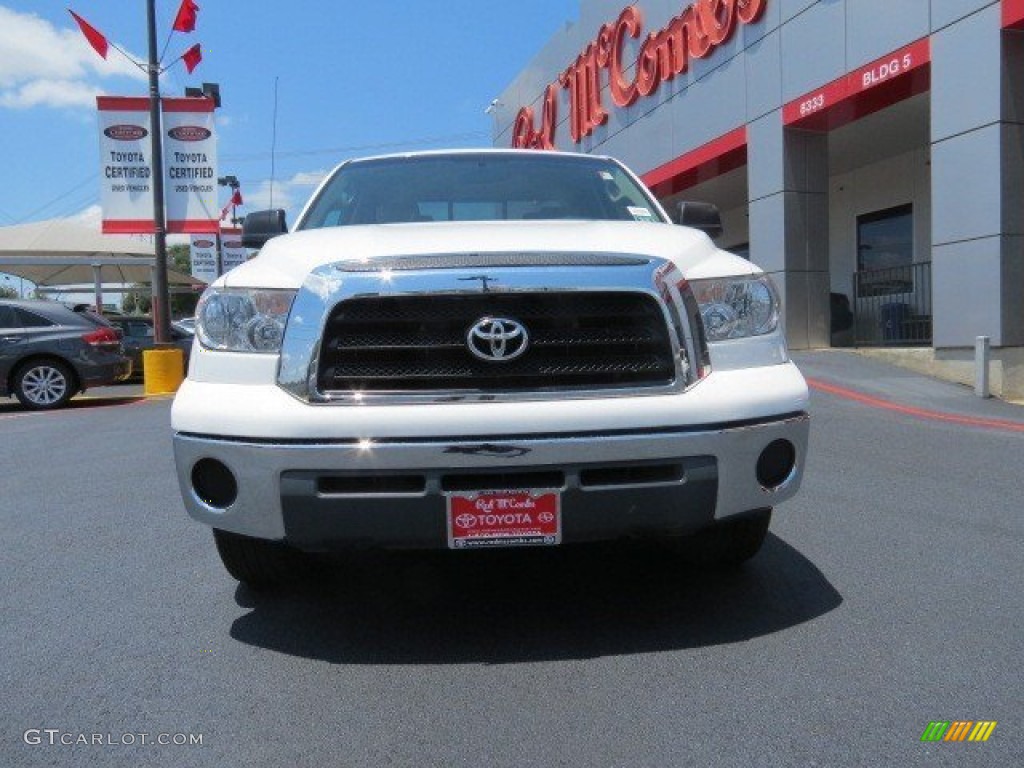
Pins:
<point x="354" y="78"/>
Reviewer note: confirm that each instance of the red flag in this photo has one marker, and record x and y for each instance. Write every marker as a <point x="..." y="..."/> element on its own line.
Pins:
<point x="93" y="35"/>
<point x="236" y="199"/>
<point x="192" y="57"/>
<point x="185" y="21"/>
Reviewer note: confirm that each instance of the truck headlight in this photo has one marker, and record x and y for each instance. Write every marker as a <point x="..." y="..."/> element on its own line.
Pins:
<point x="243" y="319"/>
<point x="737" y="307"/>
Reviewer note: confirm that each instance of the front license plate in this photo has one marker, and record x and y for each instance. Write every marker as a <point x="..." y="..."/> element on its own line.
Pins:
<point x="504" y="519"/>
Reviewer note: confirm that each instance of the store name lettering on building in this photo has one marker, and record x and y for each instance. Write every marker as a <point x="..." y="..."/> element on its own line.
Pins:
<point x="693" y="34"/>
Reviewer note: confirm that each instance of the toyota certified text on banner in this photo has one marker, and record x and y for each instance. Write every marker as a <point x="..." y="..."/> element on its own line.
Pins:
<point x="126" y="194"/>
<point x="231" y="251"/>
<point x="203" y="253"/>
<point x="190" y="162"/>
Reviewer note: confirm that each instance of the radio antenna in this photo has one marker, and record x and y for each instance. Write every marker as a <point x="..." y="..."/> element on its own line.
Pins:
<point x="273" y="145"/>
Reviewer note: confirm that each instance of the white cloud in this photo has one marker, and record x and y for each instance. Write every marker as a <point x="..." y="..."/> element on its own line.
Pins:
<point x="266" y="196"/>
<point x="43" y="65"/>
<point x="290" y="194"/>
<point x="308" y="178"/>
<point x="50" y="93"/>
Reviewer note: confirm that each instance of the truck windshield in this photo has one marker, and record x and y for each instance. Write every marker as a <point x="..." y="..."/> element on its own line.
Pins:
<point x="479" y="187"/>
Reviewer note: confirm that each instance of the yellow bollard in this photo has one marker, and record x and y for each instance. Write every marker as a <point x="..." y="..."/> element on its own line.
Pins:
<point x="162" y="370"/>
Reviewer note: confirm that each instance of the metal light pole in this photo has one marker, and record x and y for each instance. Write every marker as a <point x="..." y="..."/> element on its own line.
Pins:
<point x="161" y="303"/>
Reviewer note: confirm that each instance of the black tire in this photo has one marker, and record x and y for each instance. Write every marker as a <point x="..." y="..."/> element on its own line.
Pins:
<point x="729" y="543"/>
<point x="257" y="563"/>
<point x="44" y="384"/>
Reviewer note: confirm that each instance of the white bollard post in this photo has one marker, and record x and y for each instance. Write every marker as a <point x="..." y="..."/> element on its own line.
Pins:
<point x="982" y="352"/>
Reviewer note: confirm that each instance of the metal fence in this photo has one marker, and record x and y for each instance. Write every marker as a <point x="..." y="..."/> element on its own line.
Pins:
<point x="893" y="306"/>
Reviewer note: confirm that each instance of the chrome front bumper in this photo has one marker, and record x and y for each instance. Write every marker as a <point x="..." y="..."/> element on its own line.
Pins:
<point x="277" y="477"/>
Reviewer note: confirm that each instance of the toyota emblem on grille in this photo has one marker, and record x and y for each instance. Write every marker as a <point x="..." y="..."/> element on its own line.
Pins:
<point x="496" y="339"/>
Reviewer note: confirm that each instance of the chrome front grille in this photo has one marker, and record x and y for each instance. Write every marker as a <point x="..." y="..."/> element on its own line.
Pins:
<point x="418" y="343"/>
<point x="398" y="329"/>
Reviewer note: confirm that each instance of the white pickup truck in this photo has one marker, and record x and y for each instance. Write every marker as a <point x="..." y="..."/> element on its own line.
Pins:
<point x="485" y="348"/>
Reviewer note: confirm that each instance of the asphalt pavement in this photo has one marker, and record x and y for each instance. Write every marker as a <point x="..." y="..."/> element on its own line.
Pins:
<point x="888" y="595"/>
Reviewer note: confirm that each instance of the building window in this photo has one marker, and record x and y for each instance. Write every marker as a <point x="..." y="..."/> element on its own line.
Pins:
<point x="885" y="251"/>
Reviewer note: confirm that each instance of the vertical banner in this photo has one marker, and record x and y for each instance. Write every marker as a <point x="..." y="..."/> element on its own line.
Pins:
<point x="203" y="252"/>
<point x="231" y="252"/>
<point x="126" y="190"/>
<point x="190" y="165"/>
<point x="190" y="160"/>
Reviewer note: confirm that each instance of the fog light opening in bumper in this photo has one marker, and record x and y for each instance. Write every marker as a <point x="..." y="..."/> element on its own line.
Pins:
<point x="776" y="463"/>
<point x="214" y="483"/>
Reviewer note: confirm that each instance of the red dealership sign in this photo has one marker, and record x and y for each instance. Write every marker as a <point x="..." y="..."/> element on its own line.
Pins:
<point x="694" y="34"/>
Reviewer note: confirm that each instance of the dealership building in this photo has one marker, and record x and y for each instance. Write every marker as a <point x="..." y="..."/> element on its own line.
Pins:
<point x="868" y="154"/>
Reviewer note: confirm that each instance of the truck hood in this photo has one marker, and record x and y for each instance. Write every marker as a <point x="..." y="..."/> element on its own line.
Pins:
<point x="285" y="261"/>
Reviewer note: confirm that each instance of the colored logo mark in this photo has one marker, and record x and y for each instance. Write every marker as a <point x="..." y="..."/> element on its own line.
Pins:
<point x="958" y="730"/>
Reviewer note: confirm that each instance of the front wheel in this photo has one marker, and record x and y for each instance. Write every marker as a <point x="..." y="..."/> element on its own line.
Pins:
<point x="258" y="563"/>
<point x="44" y="384"/>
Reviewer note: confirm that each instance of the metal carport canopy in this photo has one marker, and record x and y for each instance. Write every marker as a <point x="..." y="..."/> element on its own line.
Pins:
<point x="66" y="252"/>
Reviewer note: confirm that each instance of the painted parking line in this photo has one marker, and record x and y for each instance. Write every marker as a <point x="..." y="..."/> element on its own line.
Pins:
<point x="920" y="413"/>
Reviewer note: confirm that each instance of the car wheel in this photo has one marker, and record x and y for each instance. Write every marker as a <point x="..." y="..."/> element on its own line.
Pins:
<point x="257" y="563"/>
<point x="44" y="384"/>
<point x="728" y="543"/>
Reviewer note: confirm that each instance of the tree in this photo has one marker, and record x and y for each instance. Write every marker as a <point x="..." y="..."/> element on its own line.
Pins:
<point x="182" y="304"/>
<point x="7" y="293"/>
<point x="180" y="258"/>
<point x="137" y="302"/>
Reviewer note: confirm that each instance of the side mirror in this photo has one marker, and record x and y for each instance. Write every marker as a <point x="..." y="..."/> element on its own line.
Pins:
<point x="260" y="226"/>
<point x="702" y="216"/>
